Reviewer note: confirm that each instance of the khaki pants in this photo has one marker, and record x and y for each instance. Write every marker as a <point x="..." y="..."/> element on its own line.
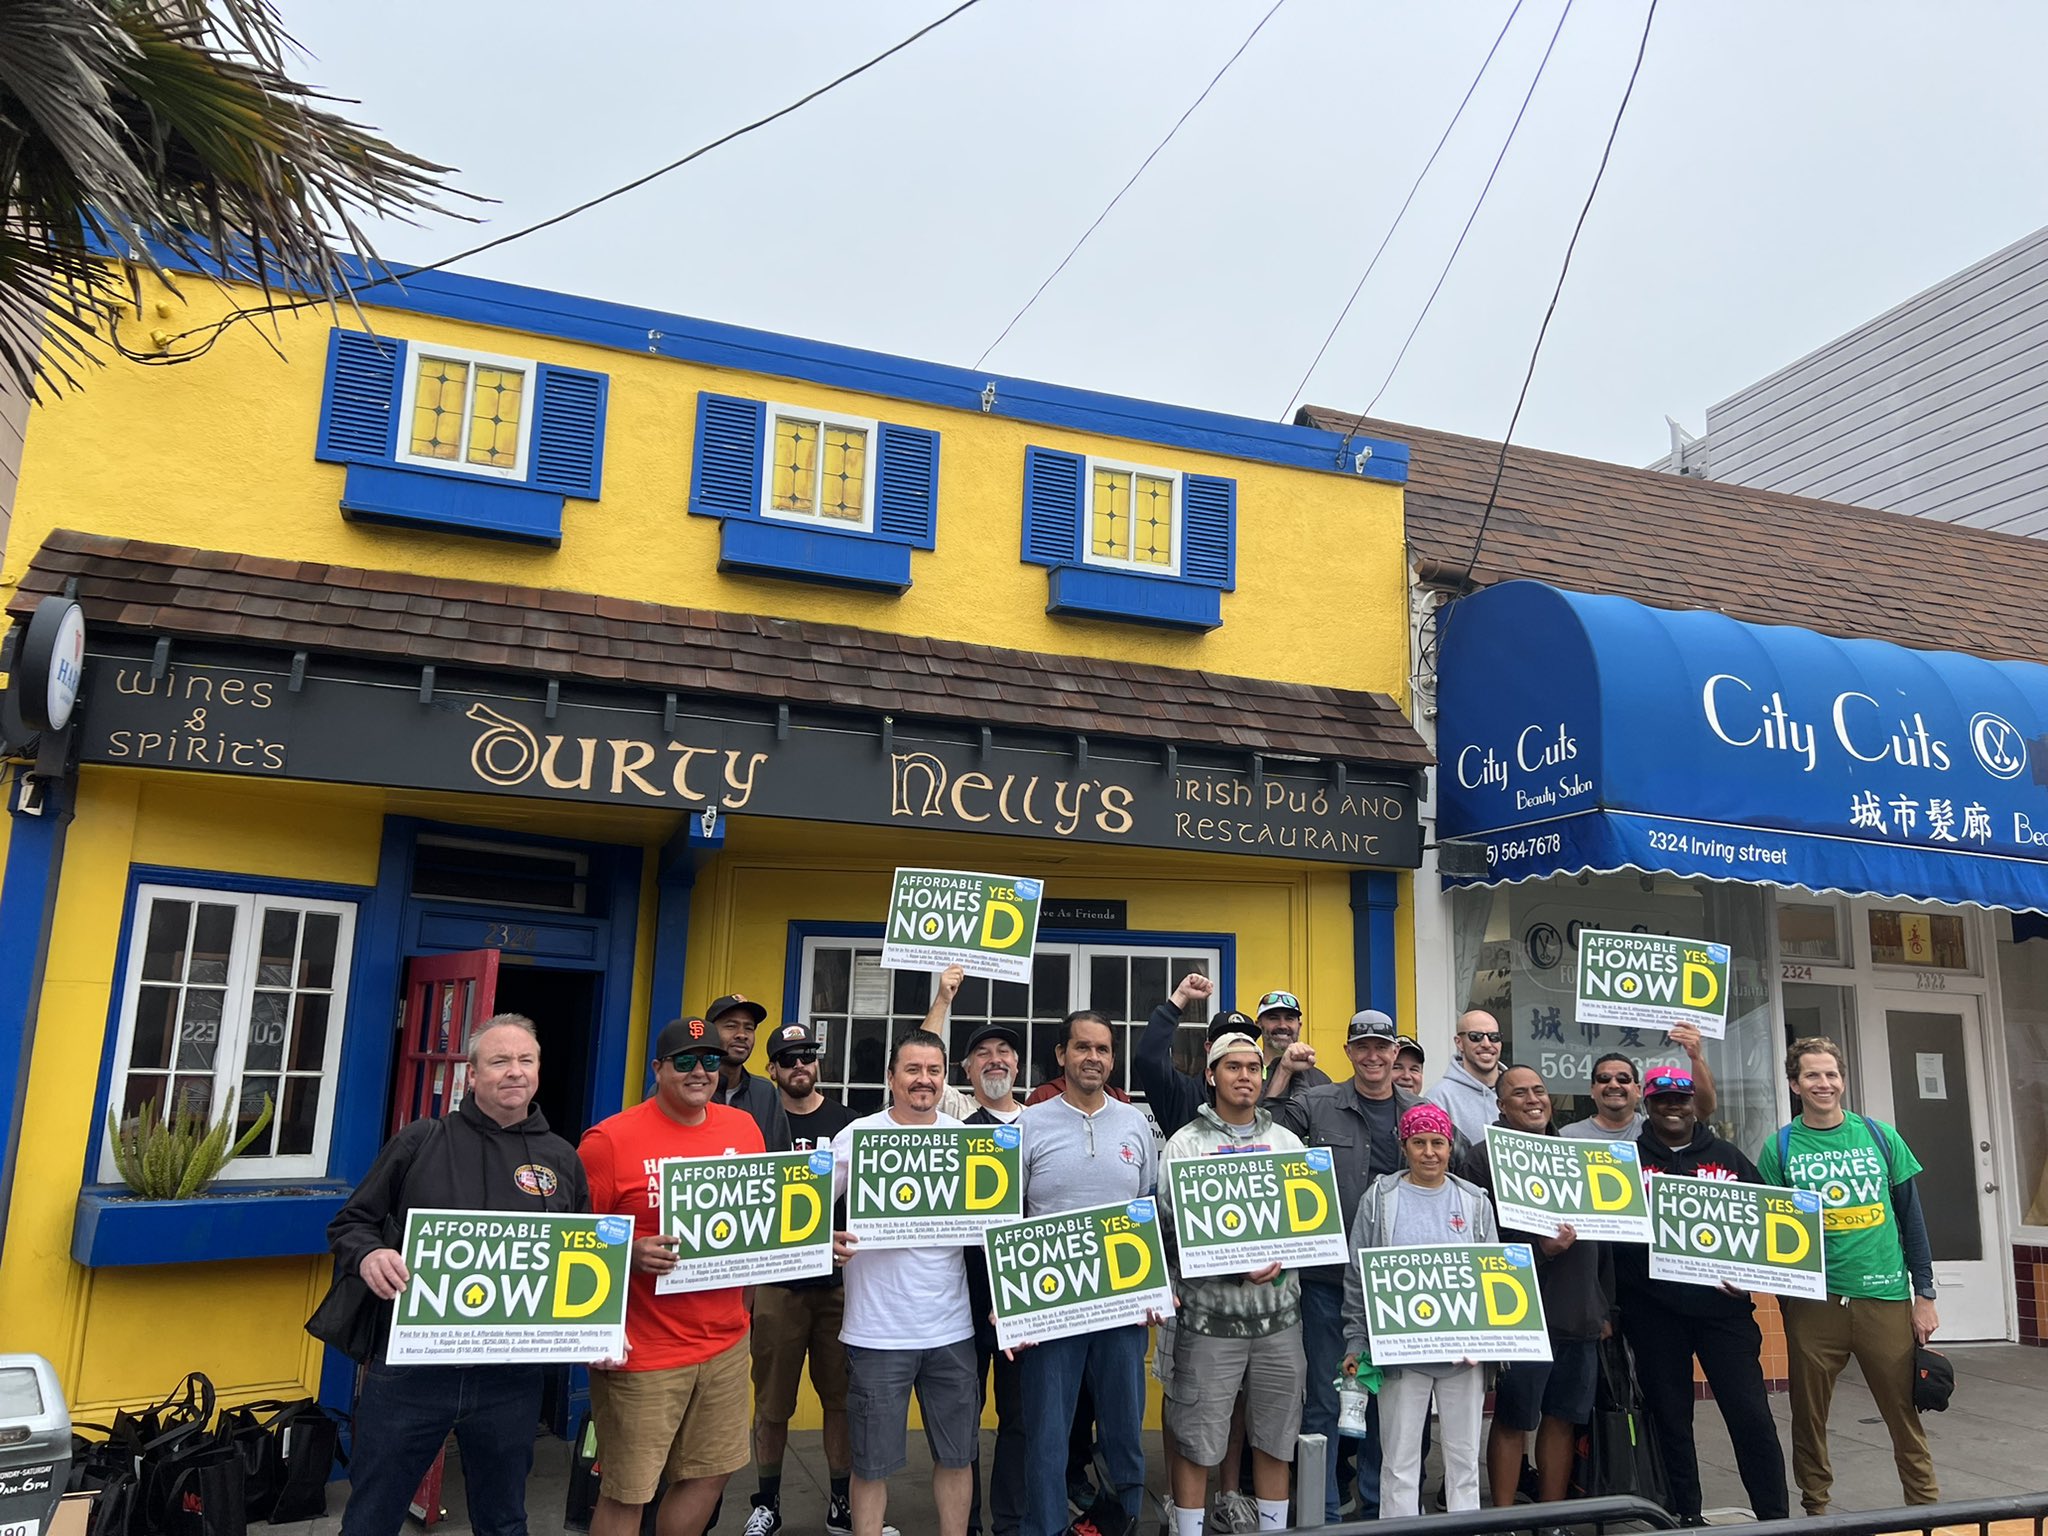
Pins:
<point x="1820" y="1338"/>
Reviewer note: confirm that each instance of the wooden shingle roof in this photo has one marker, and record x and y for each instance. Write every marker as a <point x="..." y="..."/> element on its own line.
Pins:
<point x="214" y="595"/>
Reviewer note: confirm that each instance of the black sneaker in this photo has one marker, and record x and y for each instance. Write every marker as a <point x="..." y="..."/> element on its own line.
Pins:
<point x="839" y="1519"/>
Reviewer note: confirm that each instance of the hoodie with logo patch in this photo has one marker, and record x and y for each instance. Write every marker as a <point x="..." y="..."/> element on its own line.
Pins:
<point x="465" y="1161"/>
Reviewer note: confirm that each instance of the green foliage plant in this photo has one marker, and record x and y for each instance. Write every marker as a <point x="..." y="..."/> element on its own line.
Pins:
<point x="177" y="1157"/>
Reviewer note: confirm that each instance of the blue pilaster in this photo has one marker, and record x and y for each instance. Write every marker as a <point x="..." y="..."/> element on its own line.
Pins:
<point x="1375" y="893"/>
<point x="28" y="899"/>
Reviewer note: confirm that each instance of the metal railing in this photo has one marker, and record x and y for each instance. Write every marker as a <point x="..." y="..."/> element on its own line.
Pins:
<point x="1585" y="1514"/>
<point x="2016" y="1513"/>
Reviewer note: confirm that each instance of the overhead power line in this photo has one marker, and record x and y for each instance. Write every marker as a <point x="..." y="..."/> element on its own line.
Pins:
<point x="1451" y="260"/>
<point x="214" y="329"/>
<point x="1401" y="213"/>
<point x="1156" y="148"/>
<point x="1500" y="464"/>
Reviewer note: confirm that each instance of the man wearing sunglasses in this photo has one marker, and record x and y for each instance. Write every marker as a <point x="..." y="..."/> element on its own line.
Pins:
<point x="673" y="1414"/>
<point x="1466" y="1090"/>
<point x="1617" y="1089"/>
<point x="800" y="1319"/>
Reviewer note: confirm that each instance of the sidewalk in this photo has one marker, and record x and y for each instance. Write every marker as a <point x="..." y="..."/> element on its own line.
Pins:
<point x="1990" y="1442"/>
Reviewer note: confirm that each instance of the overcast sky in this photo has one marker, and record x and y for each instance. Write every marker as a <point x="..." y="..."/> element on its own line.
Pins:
<point x="1785" y="172"/>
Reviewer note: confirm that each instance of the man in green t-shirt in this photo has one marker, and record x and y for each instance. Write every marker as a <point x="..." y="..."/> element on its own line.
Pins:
<point x="1880" y="1301"/>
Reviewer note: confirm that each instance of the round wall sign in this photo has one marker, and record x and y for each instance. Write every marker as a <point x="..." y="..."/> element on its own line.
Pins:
<point x="51" y="664"/>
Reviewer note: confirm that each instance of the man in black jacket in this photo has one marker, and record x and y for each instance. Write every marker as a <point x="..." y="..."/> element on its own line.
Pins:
<point x="493" y="1153"/>
<point x="733" y="1020"/>
<point x="1668" y="1322"/>
<point x="1552" y="1397"/>
<point x="1172" y="1095"/>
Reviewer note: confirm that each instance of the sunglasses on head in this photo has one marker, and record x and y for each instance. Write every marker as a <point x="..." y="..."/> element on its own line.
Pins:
<point x="1483" y="1034"/>
<point x="1624" y="1078"/>
<point x="792" y="1058"/>
<point x="690" y="1061"/>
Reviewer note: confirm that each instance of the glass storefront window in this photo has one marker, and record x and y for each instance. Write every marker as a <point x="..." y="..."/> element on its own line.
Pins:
<point x="1810" y="932"/>
<point x="1515" y="949"/>
<point x="1816" y="1009"/>
<point x="1927" y="941"/>
<point x="2023" y="978"/>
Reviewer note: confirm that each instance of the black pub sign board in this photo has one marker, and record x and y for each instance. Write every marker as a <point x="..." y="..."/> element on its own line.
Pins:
<point x="477" y="734"/>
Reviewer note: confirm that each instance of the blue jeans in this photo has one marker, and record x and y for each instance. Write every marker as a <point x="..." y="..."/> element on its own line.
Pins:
<point x="1112" y="1362"/>
<point x="404" y="1415"/>
<point x="1322" y="1341"/>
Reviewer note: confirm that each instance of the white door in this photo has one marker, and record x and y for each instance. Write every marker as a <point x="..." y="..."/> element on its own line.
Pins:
<point x="1922" y="1069"/>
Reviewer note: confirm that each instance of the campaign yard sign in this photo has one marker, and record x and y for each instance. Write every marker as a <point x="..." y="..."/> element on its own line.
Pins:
<point x="926" y="1186"/>
<point x="1649" y="981"/>
<point x="1541" y="1183"/>
<point x="1453" y="1301"/>
<point x="1756" y="1236"/>
<point x="489" y="1288"/>
<point x="748" y="1218"/>
<point x="985" y="924"/>
<point x="1241" y="1211"/>
<point x="1052" y="1276"/>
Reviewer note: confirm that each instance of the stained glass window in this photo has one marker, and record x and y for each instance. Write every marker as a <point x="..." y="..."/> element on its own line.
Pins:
<point x="469" y="412"/>
<point x="1131" y="517"/>
<point x="819" y="470"/>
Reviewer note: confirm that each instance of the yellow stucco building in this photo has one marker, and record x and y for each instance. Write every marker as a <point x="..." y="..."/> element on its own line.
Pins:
<point x="487" y="646"/>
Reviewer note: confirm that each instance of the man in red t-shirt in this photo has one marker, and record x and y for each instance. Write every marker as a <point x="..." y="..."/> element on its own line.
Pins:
<point x="675" y="1411"/>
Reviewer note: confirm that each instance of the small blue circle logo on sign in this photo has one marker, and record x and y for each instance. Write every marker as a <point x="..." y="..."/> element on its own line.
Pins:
<point x="1140" y="1210"/>
<point x="821" y="1162"/>
<point x="1027" y="889"/>
<point x="1006" y="1136"/>
<point x="1319" y="1159"/>
<point x="1519" y="1256"/>
<point x="1718" y="953"/>
<point x="1806" y="1200"/>
<point x="613" y="1230"/>
<point x="1623" y="1152"/>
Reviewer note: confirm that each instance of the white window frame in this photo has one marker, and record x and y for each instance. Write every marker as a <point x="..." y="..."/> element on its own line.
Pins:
<point x="231" y="1048"/>
<point x="821" y="420"/>
<point x="1078" y="995"/>
<point x="1130" y="564"/>
<point x="418" y="351"/>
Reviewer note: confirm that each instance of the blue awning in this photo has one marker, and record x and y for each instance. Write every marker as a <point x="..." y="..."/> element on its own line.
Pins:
<point x="1593" y="734"/>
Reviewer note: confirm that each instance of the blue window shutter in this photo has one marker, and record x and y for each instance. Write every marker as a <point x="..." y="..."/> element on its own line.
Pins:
<point x="1208" y="530"/>
<point x="907" y="485"/>
<point x="1053" y="503"/>
<point x="725" y="478"/>
<point x="568" y="432"/>
<point x="359" y="410"/>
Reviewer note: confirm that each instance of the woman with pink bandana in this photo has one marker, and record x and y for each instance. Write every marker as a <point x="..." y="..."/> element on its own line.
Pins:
<point x="1424" y="1204"/>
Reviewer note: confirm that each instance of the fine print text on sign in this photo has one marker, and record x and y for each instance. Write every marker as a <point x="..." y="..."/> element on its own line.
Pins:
<point x="985" y="924"/>
<point x="490" y="1288"/>
<point x="1755" y="1236"/>
<point x="1453" y="1301"/>
<point x="925" y="1186"/>
<point x="1052" y="1276"/>
<point x="1245" y="1210"/>
<point x="1648" y="981"/>
<point x="1541" y="1183"/>
<point x="747" y="1218"/>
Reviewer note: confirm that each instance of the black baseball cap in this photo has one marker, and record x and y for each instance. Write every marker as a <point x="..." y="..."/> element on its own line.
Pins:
<point x="794" y="1036"/>
<point x="993" y="1031"/>
<point x="1232" y="1022"/>
<point x="735" y="1002"/>
<point x="684" y="1035"/>
<point x="1409" y="1043"/>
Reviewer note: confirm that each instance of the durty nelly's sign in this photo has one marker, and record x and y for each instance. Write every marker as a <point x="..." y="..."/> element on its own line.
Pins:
<point x="362" y="730"/>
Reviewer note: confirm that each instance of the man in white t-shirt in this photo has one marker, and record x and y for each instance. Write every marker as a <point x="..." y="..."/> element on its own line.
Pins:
<point x="908" y="1327"/>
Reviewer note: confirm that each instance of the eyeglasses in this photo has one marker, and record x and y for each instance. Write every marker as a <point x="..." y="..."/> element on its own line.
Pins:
<point x="1623" y="1078"/>
<point x="792" y="1058"/>
<point x="1477" y="1035"/>
<point x="690" y="1061"/>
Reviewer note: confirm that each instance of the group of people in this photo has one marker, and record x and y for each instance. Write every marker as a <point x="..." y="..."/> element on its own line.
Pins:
<point x="1246" y="1362"/>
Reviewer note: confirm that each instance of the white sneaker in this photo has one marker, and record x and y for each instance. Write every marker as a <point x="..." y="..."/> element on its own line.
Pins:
<point x="1169" y="1523"/>
<point x="1235" y="1513"/>
<point x="764" y="1520"/>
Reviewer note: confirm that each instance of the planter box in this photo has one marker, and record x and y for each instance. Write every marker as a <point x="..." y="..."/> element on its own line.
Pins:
<point x="114" y="1226"/>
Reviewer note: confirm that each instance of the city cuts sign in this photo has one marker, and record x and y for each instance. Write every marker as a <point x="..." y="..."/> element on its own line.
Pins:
<point x="250" y="720"/>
